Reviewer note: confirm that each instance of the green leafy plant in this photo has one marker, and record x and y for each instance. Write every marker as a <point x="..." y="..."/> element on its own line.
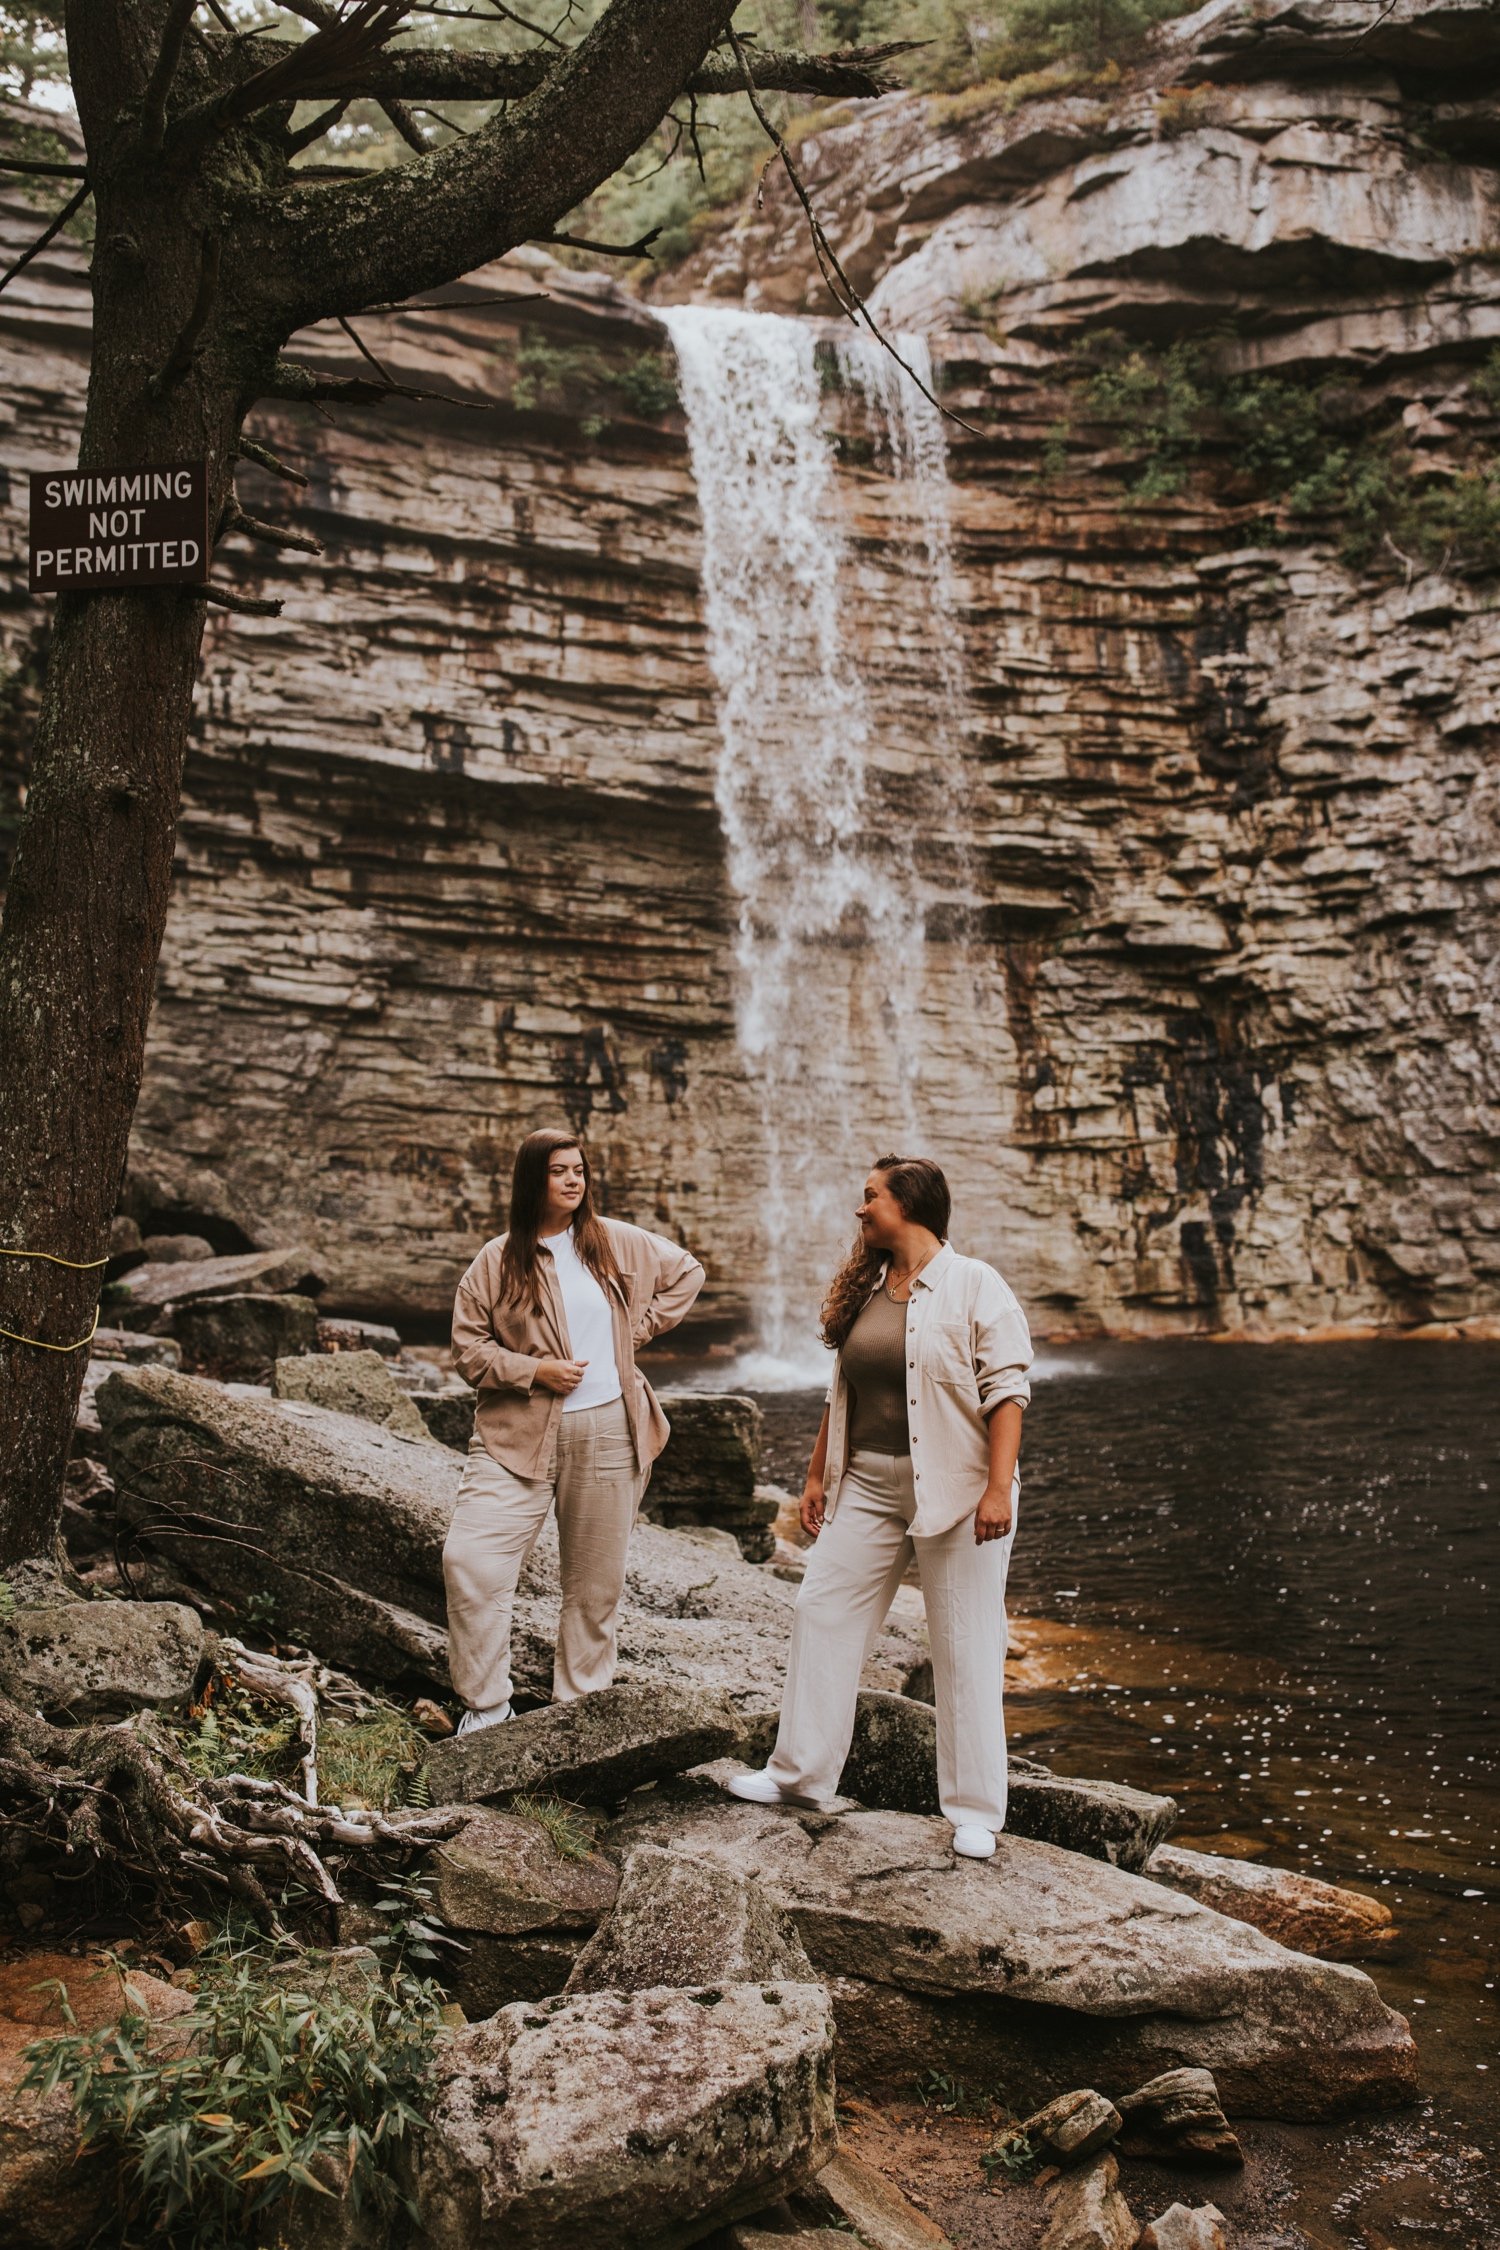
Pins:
<point x="283" y="2082"/>
<point x="1011" y="2155"/>
<point x="936" y="2089"/>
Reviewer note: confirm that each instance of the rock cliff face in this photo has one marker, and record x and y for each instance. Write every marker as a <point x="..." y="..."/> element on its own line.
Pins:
<point x="1222" y="807"/>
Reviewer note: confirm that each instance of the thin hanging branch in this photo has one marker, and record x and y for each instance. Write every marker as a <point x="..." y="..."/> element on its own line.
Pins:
<point x="640" y="249"/>
<point x="154" y="106"/>
<point x="842" y="290"/>
<point x="74" y="203"/>
<point x="44" y="171"/>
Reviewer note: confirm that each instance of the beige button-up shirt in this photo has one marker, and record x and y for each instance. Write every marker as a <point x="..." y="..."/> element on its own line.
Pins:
<point x="967" y="1350"/>
<point x="497" y="1347"/>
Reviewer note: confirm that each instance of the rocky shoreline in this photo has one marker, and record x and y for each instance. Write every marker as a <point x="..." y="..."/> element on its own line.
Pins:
<point x="654" y="2009"/>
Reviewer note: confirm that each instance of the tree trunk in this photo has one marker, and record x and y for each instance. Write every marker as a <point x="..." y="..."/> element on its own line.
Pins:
<point x="87" y="899"/>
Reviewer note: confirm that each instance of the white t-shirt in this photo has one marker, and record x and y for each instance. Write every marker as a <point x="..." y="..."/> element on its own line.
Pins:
<point x="591" y="1328"/>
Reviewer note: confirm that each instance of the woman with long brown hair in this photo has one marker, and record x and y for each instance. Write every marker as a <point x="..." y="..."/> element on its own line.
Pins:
<point x="916" y="1458"/>
<point x="546" y="1324"/>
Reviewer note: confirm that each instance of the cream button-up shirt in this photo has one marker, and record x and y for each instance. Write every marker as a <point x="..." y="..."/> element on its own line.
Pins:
<point x="968" y="1349"/>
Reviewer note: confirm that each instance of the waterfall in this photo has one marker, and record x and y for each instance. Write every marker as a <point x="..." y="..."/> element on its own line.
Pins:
<point x="832" y="946"/>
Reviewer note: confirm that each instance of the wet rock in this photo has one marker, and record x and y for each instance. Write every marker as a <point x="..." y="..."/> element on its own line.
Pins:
<point x="51" y="2198"/>
<point x="344" y="1525"/>
<point x="504" y="1876"/>
<point x="708" y="1472"/>
<point x="592" y="1751"/>
<point x="625" y="2119"/>
<point x="239" y="1339"/>
<point x="90" y="1660"/>
<point x="350" y="1382"/>
<point x="144" y="1291"/>
<point x="136" y="1349"/>
<point x="1178" y="2115"/>
<point x="676" y="1922"/>
<point x="1180" y="2228"/>
<point x="358" y="1336"/>
<point x="864" y="2199"/>
<point x="1074" y="2126"/>
<point x="1296" y="1910"/>
<point x="448" y="1415"/>
<point x="177" y="1249"/>
<point x="1049" y="1969"/>
<point x="494" y="1972"/>
<point x="1088" y="2212"/>
<point x="892" y="1766"/>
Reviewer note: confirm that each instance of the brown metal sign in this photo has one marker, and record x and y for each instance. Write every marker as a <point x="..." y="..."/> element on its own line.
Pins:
<point x="119" y="527"/>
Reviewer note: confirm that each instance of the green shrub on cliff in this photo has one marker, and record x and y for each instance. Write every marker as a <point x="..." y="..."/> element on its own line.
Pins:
<point x="1312" y="453"/>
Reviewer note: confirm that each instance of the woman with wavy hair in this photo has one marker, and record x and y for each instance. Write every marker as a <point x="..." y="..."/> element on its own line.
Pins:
<point x="546" y="1325"/>
<point x="916" y="1457"/>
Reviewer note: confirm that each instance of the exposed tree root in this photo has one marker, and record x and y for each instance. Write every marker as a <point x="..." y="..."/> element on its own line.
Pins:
<point x="110" y="1795"/>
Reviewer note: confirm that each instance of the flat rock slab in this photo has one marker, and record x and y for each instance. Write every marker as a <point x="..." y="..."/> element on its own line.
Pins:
<point x="171" y="1282"/>
<point x="618" y="2121"/>
<point x="892" y="1767"/>
<point x="239" y="1339"/>
<point x="90" y="1660"/>
<point x="1054" y="1957"/>
<point x="676" y="1921"/>
<point x="874" y="2206"/>
<point x="1297" y="1910"/>
<point x="1076" y="2125"/>
<point x="503" y="1875"/>
<point x="593" y="1751"/>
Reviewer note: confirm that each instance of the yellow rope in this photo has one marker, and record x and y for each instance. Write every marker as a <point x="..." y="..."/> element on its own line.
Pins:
<point x="75" y="1265"/>
<point x="17" y="1338"/>
<point x="78" y="1265"/>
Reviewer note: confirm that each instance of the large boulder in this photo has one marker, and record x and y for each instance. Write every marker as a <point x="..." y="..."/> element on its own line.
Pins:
<point x="707" y="1474"/>
<point x="90" y="1660"/>
<point x="341" y="1523"/>
<point x="1296" y="1910"/>
<point x="676" y="1922"/>
<point x="521" y="1906"/>
<point x="592" y="1751"/>
<point x="351" y="1382"/>
<point x="618" y="2121"/>
<point x="344" y="1525"/>
<point x="1040" y="1970"/>
<point x="892" y="1767"/>
<point x="239" y="1339"/>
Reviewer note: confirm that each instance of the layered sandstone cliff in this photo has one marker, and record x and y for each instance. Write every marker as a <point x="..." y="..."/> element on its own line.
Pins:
<point x="1223" y="807"/>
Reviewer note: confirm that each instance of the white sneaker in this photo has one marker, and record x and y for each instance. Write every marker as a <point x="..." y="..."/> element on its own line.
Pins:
<point x="473" y="1721"/>
<point x="760" y="1789"/>
<point x="974" y="1843"/>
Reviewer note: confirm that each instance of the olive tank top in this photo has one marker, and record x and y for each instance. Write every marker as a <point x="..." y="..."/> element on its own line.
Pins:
<point x="875" y="1371"/>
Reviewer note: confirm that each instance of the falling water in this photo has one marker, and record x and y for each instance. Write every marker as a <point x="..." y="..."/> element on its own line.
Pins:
<point x="832" y="944"/>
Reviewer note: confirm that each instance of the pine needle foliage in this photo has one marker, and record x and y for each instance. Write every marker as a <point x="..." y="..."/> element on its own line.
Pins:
<point x="282" y="2085"/>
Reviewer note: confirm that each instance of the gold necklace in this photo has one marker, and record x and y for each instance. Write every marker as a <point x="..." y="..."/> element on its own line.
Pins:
<point x="892" y="1284"/>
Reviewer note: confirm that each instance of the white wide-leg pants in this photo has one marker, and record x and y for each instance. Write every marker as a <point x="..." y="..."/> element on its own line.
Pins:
<point x="858" y="1562"/>
<point x="596" y="1485"/>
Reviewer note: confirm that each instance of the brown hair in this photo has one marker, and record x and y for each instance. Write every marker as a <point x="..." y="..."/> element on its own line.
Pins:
<point x="519" y="1276"/>
<point x="922" y="1192"/>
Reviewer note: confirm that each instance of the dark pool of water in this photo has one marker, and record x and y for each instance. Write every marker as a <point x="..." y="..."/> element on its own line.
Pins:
<point x="1280" y="1564"/>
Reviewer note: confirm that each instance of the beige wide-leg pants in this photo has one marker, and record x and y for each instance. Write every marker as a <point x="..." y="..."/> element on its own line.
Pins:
<point x="858" y="1562"/>
<point x="596" y="1485"/>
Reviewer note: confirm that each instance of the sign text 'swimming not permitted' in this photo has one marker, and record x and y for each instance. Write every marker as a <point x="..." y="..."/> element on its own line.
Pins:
<point x="119" y="527"/>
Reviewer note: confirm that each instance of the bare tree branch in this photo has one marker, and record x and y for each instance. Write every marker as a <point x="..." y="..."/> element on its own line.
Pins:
<point x="246" y="605"/>
<point x="329" y="63"/>
<point x="264" y="458"/>
<point x="474" y="75"/>
<point x="49" y="234"/>
<point x="640" y="249"/>
<point x="181" y="356"/>
<point x="44" y="171"/>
